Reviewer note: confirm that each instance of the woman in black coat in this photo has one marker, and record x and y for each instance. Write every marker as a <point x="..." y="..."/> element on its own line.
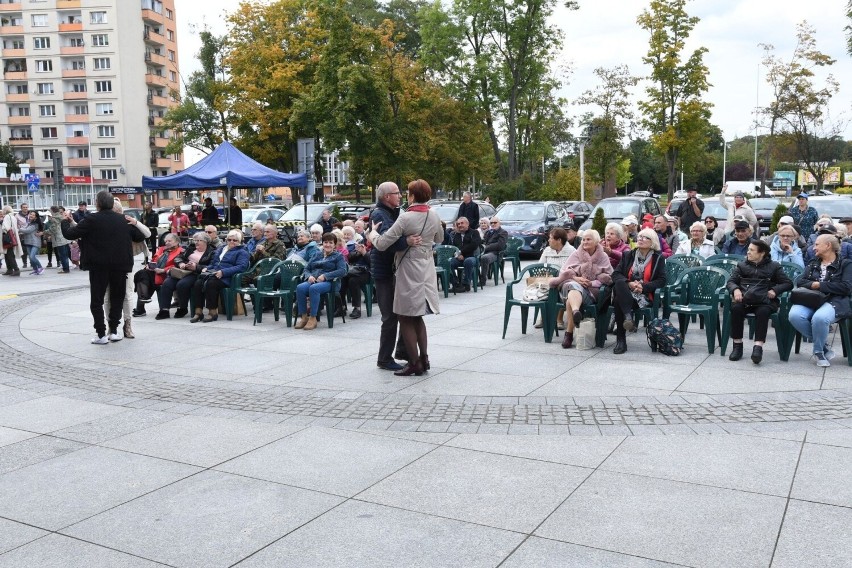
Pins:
<point x="638" y="276"/>
<point x="755" y="285"/>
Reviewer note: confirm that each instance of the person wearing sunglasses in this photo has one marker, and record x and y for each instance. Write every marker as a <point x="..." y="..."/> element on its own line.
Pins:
<point x="493" y="243"/>
<point x="228" y="260"/>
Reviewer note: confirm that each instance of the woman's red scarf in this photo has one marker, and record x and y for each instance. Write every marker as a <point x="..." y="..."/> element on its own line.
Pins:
<point x="419" y="208"/>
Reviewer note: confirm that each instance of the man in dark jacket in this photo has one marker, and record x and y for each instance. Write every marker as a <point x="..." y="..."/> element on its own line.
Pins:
<point x="469" y="210"/>
<point x="106" y="243"/>
<point x="738" y="244"/>
<point x="467" y="240"/>
<point x="493" y="242"/>
<point x="328" y="222"/>
<point x="381" y="266"/>
<point x="209" y="215"/>
<point x="691" y="209"/>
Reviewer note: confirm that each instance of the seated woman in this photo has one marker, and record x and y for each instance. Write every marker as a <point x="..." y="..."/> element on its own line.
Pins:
<point x="359" y="270"/>
<point x="150" y="278"/>
<point x="755" y="285"/>
<point x="613" y="243"/>
<point x="195" y="258"/>
<point x="698" y="243"/>
<point x="556" y="253"/>
<point x="229" y="260"/>
<point x="641" y="272"/>
<point x="318" y="274"/>
<point x="832" y="276"/>
<point x="581" y="279"/>
<point x="784" y="247"/>
<point x="305" y="248"/>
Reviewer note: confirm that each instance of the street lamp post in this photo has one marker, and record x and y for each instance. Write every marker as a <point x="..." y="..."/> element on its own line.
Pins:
<point x="582" y="169"/>
<point x="724" y="161"/>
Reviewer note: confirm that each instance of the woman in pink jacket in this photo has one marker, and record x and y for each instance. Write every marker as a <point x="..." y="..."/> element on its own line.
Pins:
<point x="581" y="279"/>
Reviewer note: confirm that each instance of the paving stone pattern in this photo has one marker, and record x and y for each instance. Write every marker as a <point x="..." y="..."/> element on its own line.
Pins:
<point x="119" y="385"/>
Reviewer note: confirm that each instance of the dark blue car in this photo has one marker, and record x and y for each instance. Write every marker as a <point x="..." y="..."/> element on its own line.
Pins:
<point x="532" y="221"/>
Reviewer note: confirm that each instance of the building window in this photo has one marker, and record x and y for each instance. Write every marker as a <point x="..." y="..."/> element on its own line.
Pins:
<point x="47" y="154"/>
<point x="101" y="62"/>
<point x="104" y="108"/>
<point x="49" y="132"/>
<point x="172" y="76"/>
<point x="100" y="40"/>
<point x="103" y="86"/>
<point x="39" y="20"/>
<point x="106" y="131"/>
<point x="24" y="155"/>
<point x="170" y="34"/>
<point x="171" y="55"/>
<point x="13" y="44"/>
<point x="45" y="88"/>
<point x="44" y="65"/>
<point x="41" y="43"/>
<point x="76" y="42"/>
<point x="98" y="17"/>
<point x="169" y="14"/>
<point x="81" y="109"/>
<point x="78" y="65"/>
<point x="19" y="89"/>
<point x="47" y="110"/>
<point x="48" y="174"/>
<point x="109" y="174"/>
<point x="19" y="111"/>
<point x="78" y="87"/>
<point x="107" y="153"/>
<point x="82" y="152"/>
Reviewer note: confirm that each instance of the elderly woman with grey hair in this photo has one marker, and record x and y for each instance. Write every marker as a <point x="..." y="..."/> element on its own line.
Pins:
<point x="189" y="264"/>
<point x="580" y="280"/>
<point x="698" y="243"/>
<point x="306" y="248"/>
<point x="613" y="243"/>
<point x="635" y="281"/>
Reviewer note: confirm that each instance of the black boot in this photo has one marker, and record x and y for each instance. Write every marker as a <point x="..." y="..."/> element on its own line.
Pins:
<point x="756" y="354"/>
<point x="620" y="345"/>
<point x="736" y="352"/>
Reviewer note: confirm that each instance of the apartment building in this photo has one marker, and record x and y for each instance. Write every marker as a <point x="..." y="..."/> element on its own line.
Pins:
<point x="90" y="79"/>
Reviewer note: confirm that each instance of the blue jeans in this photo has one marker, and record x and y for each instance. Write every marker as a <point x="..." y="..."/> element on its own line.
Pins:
<point x="469" y="264"/>
<point x="32" y="252"/>
<point x="63" y="254"/>
<point x="315" y="290"/>
<point x="813" y="324"/>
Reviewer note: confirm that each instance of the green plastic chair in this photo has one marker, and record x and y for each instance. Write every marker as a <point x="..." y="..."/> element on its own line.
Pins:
<point x="734" y="257"/>
<point x="700" y="292"/>
<point x="229" y="294"/>
<point x="689" y="260"/>
<point x="288" y="272"/>
<point x="443" y="255"/>
<point x="780" y="321"/>
<point x="674" y="268"/>
<point x="513" y="254"/>
<point x="793" y="271"/>
<point x="548" y="307"/>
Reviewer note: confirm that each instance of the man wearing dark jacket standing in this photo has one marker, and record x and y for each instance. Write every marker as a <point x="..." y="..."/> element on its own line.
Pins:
<point x="381" y="266"/>
<point x="690" y="210"/>
<point x="106" y="241"/>
<point x="469" y="210"/>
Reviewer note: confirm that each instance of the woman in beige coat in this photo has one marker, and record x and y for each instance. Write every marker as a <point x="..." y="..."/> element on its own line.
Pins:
<point x="416" y="291"/>
<point x="10" y="225"/>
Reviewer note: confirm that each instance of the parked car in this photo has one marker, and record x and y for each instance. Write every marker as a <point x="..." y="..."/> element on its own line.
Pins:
<point x="617" y="208"/>
<point x="532" y="221"/>
<point x="837" y="206"/>
<point x="578" y="211"/>
<point x="355" y="211"/>
<point x="643" y="193"/>
<point x="448" y="211"/>
<point x="764" y="208"/>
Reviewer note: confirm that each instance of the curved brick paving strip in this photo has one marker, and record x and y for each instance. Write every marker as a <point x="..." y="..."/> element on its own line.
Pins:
<point x="118" y="384"/>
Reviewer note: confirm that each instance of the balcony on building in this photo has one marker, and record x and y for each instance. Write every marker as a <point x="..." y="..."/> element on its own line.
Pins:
<point x="72" y="50"/>
<point x="153" y="58"/>
<point x="71" y="23"/>
<point x="7" y="6"/>
<point x="77" y="141"/>
<point x="77" y="118"/>
<point x="10" y="52"/>
<point x="79" y="162"/>
<point x="67" y="4"/>
<point x="154" y="80"/>
<point x="75" y="95"/>
<point x="154" y="37"/>
<point x="21" y="140"/>
<point x="14" y="69"/>
<point x="152" y="11"/>
<point x="158" y="141"/>
<point x="17" y="97"/>
<point x="12" y="22"/>
<point x="157" y="101"/>
<point x="20" y="120"/>
<point x="72" y="73"/>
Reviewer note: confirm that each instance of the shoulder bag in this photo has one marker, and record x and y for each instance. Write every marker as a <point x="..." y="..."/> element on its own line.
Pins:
<point x="813" y="299"/>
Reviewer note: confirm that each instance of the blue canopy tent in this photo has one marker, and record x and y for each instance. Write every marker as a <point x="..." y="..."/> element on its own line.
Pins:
<point x="225" y="167"/>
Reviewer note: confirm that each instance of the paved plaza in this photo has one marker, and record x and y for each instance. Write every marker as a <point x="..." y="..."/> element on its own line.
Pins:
<point x="228" y="444"/>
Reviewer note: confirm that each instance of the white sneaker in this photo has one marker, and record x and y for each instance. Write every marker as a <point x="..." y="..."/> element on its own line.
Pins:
<point x="830" y="354"/>
<point x="114" y="336"/>
<point x="100" y="340"/>
<point x="820" y="360"/>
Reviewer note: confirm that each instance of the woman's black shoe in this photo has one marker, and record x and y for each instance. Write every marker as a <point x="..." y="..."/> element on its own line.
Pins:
<point x="736" y="352"/>
<point x="620" y="346"/>
<point x="162" y="315"/>
<point x="757" y="354"/>
<point x="415" y="368"/>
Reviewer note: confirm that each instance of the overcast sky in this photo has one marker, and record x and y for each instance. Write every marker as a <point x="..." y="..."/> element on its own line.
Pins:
<point x="603" y="33"/>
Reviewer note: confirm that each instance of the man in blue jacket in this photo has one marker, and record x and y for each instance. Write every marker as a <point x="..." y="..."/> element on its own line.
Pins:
<point x="381" y="265"/>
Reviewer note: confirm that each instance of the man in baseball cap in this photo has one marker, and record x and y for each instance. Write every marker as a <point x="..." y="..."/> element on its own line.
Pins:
<point x="631" y="228"/>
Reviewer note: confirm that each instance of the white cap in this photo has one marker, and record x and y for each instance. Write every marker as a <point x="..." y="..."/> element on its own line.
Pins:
<point x="786" y="220"/>
<point x="630" y="220"/>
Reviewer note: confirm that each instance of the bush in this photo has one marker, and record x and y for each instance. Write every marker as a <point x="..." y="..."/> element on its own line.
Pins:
<point x="779" y="212"/>
<point x="599" y="222"/>
<point x="843" y="190"/>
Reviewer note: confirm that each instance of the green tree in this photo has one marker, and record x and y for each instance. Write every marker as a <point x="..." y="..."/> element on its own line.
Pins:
<point x="7" y="155"/>
<point x="599" y="222"/>
<point x="646" y="166"/>
<point x="674" y="112"/>
<point x="608" y="128"/>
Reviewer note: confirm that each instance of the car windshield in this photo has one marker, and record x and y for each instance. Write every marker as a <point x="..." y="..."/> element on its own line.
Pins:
<point x="715" y="209"/>
<point x="297" y="213"/>
<point x="618" y="209"/>
<point x="521" y="212"/>
<point x="249" y="215"/>
<point x="834" y="207"/>
<point x="763" y="203"/>
<point x="446" y="211"/>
